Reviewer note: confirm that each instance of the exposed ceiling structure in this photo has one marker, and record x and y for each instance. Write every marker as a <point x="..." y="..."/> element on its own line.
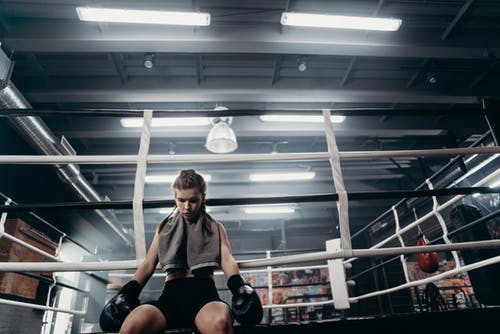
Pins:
<point x="443" y="61"/>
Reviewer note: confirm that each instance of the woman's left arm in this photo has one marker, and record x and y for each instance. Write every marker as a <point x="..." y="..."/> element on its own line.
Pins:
<point x="228" y="263"/>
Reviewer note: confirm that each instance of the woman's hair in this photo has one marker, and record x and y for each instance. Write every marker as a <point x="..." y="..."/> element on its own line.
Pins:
<point x="187" y="179"/>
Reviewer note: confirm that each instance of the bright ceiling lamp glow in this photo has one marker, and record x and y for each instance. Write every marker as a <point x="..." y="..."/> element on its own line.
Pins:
<point x="340" y="21"/>
<point x="136" y="122"/>
<point x="164" y="211"/>
<point x="300" y="118"/>
<point x="142" y="16"/>
<point x="170" y="178"/>
<point x="269" y="210"/>
<point x="495" y="184"/>
<point x="270" y="177"/>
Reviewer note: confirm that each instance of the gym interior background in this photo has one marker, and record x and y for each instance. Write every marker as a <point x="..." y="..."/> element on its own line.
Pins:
<point x="432" y="84"/>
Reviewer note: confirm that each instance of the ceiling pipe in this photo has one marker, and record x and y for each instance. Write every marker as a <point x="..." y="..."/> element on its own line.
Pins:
<point x="41" y="138"/>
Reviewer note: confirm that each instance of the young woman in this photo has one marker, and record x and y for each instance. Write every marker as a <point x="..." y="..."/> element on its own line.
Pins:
<point x="189" y="245"/>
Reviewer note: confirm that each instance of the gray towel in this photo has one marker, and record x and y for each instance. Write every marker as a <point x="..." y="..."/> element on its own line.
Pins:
<point x="189" y="246"/>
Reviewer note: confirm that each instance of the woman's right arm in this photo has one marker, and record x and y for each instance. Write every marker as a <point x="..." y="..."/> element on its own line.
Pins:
<point x="148" y="266"/>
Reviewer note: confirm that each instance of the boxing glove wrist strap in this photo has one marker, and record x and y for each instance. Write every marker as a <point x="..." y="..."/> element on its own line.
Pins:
<point x="235" y="282"/>
<point x="132" y="289"/>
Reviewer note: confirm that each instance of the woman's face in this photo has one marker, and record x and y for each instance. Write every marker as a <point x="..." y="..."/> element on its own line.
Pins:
<point x="189" y="202"/>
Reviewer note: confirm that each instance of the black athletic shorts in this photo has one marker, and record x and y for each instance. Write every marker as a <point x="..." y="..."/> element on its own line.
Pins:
<point x="183" y="298"/>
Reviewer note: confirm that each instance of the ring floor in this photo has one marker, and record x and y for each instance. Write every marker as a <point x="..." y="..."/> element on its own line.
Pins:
<point x="484" y="320"/>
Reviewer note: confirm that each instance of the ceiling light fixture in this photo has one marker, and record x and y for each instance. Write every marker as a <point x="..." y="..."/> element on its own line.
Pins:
<point x="300" y="118"/>
<point x="340" y="21"/>
<point x="221" y="138"/>
<point x="269" y="210"/>
<point x="136" y="122"/>
<point x="149" y="60"/>
<point x="142" y="16"/>
<point x="302" y="65"/>
<point x="431" y="78"/>
<point x="271" y="177"/>
<point x="169" y="178"/>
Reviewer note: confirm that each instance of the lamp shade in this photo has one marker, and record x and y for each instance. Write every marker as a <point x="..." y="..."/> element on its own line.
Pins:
<point x="221" y="139"/>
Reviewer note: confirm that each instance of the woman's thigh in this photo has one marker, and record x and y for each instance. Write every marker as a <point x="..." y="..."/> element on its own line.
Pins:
<point x="144" y="319"/>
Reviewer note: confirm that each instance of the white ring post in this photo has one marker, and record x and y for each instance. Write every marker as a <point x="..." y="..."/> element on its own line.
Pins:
<point x="336" y="272"/>
<point x="269" y="280"/>
<point x="3" y="218"/>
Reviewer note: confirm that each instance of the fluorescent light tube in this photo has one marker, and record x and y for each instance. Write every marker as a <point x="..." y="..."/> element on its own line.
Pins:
<point x="495" y="184"/>
<point x="266" y="177"/>
<point x="340" y="21"/>
<point x="136" y="122"/>
<point x="170" y="178"/>
<point x="142" y="16"/>
<point x="164" y="211"/>
<point x="269" y="210"/>
<point x="300" y="118"/>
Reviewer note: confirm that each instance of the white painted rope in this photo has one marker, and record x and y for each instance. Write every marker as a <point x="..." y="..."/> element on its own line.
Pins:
<point x="338" y="180"/>
<point x="41" y="307"/>
<point x="426" y="280"/>
<point x="259" y="263"/>
<point x="208" y="158"/>
<point x="140" y="176"/>
<point x="402" y="258"/>
<point x="428" y="215"/>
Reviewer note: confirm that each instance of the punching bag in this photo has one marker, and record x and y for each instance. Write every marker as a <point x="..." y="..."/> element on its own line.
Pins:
<point x="486" y="280"/>
<point x="428" y="261"/>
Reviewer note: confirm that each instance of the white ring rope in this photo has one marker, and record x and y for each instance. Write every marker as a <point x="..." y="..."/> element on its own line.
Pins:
<point x="442" y="223"/>
<point x="259" y="263"/>
<point x="426" y="280"/>
<point x="325" y="302"/>
<point x="140" y="175"/>
<point x="208" y="158"/>
<point x="338" y="180"/>
<point x="402" y="258"/>
<point x="29" y="246"/>
<point x="41" y="307"/>
<point x="220" y="272"/>
<point x="428" y="215"/>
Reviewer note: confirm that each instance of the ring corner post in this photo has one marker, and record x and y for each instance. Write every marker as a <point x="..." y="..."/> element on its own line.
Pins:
<point x="338" y="282"/>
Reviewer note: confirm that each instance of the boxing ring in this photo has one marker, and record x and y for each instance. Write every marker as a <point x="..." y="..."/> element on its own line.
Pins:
<point x="338" y="258"/>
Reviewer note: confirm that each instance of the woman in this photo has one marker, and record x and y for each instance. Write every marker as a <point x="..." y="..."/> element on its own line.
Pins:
<point x="189" y="245"/>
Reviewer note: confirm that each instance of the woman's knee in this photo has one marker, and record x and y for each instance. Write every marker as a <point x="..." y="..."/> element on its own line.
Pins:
<point x="132" y="327"/>
<point x="144" y="318"/>
<point x="222" y="322"/>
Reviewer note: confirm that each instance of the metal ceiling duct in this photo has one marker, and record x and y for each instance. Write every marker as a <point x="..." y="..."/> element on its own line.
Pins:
<point x="41" y="138"/>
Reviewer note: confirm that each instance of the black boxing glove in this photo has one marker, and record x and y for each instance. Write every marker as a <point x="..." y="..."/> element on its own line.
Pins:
<point x="246" y="305"/>
<point x="117" y="308"/>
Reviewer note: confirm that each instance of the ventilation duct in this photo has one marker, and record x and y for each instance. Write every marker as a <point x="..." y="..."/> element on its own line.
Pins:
<point x="41" y="138"/>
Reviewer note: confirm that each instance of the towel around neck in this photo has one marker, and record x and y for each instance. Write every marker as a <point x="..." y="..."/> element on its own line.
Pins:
<point x="189" y="246"/>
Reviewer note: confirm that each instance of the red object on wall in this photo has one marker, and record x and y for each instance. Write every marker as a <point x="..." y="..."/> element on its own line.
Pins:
<point x="428" y="261"/>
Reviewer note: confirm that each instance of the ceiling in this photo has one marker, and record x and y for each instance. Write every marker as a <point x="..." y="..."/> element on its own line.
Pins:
<point x="246" y="60"/>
